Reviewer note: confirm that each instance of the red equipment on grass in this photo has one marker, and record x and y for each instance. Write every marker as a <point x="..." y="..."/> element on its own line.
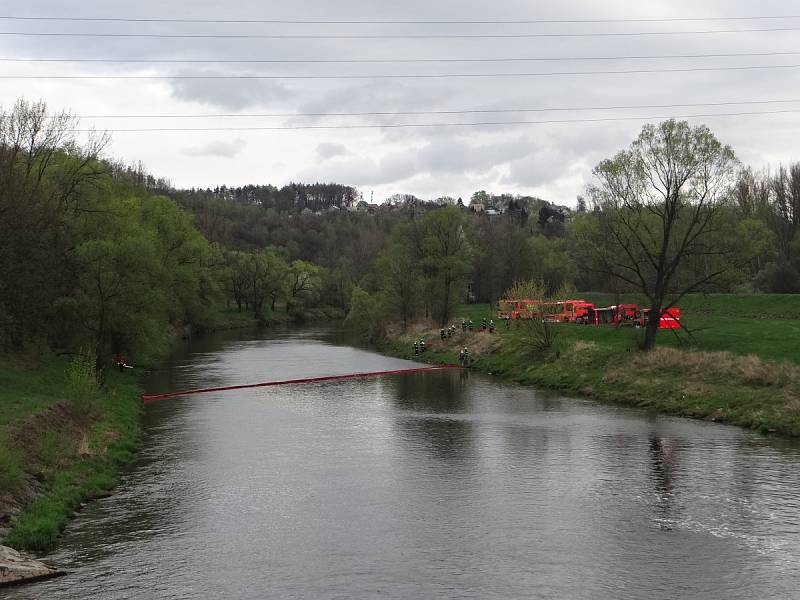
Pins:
<point x="586" y="313"/>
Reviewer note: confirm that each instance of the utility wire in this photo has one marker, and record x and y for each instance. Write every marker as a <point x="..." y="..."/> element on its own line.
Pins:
<point x="396" y="60"/>
<point x="438" y="112"/>
<point x="388" y="22"/>
<point x="424" y="125"/>
<point x="262" y="36"/>
<point x="411" y="76"/>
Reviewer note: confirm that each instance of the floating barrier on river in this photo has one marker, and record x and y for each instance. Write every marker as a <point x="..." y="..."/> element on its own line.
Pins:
<point x="147" y="398"/>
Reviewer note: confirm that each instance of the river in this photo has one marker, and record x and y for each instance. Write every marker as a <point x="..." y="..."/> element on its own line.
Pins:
<point x="433" y="485"/>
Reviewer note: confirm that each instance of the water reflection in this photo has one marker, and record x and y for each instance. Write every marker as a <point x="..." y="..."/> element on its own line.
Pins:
<point x="436" y="391"/>
<point x="430" y="414"/>
<point x="663" y="466"/>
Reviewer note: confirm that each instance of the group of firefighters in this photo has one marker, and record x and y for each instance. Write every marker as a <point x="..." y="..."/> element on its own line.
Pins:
<point x="463" y="355"/>
<point x="466" y="325"/>
<point x="446" y="332"/>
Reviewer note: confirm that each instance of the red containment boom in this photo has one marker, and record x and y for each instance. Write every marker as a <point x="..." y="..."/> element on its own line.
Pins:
<point x="147" y="398"/>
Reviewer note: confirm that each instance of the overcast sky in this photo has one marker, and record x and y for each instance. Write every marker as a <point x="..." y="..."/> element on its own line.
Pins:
<point x="553" y="161"/>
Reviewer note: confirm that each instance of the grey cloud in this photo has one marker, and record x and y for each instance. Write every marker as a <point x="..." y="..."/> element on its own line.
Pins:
<point x="230" y="94"/>
<point x="217" y="148"/>
<point x="372" y="96"/>
<point x="455" y="155"/>
<point x="328" y="150"/>
<point x="521" y="158"/>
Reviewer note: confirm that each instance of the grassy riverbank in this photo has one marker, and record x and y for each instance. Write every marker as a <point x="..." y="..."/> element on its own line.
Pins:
<point x="60" y="447"/>
<point x="742" y="367"/>
<point x="58" y="450"/>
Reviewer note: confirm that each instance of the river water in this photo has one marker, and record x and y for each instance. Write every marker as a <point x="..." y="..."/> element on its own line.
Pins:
<point x="434" y="485"/>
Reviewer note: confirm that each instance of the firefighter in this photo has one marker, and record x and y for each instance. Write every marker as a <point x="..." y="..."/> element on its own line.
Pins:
<point x="491" y="325"/>
<point x="422" y="346"/>
<point x="463" y="325"/>
<point x="453" y="329"/>
<point x="463" y="358"/>
<point x="442" y="333"/>
<point x="483" y="324"/>
<point x="416" y="348"/>
<point x="119" y="362"/>
<point x="508" y="322"/>
<point x="470" y="325"/>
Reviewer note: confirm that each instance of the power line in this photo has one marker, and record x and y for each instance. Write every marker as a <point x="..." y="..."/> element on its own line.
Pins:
<point x="389" y="22"/>
<point x="438" y="112"/>
<point x="424" y="125"/>
<point x="409" y="76"/>
<point x="386" y="36"/>
<point x="397" y="60"/>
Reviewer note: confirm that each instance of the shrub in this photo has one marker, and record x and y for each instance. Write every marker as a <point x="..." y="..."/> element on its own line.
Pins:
<point x="536" y="336"/>
<point x="365" y="318"/>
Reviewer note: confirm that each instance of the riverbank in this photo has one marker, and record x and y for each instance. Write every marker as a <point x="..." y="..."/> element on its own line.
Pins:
<point x="58" y="452"/>
<point x="606" y="365"/>
<point x="57" y="449"/>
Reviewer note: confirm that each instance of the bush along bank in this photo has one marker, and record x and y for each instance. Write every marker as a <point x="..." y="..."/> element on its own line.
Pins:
<point x="63" y="441"/>
<point x="716" y="386"/>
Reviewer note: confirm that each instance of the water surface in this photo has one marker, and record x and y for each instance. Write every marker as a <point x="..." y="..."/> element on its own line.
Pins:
<point x="435" y="485"/>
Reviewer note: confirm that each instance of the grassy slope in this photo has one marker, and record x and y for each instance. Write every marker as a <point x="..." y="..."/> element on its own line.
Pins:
<point x="741" y="369"/>
<point x="24" y="391"/>
<point x="51" y="450"/>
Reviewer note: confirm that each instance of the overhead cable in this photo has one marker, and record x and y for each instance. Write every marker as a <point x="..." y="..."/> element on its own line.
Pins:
<point x="392" y="22"/>
<point x="436" y="112"/>
<point x="386" y="36"/>
<point x="407" y="76"/>
<point x="439" y="125"/>
<point x="395" y="60"/>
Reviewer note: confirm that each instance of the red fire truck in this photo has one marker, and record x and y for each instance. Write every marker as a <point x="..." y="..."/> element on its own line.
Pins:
<point x="582" y="312"/>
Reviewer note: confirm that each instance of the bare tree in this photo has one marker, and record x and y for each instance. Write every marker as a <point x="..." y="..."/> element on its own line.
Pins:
<point x="43" y="172"/>
<point x="786" y="207"/>
<point x="661" y="214"/>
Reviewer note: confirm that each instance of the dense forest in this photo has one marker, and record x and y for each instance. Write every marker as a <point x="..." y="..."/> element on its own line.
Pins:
<point x="103" y="257"/>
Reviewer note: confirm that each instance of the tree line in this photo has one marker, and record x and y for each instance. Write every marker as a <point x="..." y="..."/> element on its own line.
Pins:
<point x="102" y="256"/>
<point x="94" y="260"/>
<point x="291" y="198"/>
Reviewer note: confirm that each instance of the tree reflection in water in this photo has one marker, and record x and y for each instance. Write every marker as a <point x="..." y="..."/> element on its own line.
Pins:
<point x="663" y="466"/>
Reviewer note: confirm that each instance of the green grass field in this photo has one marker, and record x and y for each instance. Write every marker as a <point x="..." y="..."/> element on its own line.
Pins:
<point x="763" y="325"/>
